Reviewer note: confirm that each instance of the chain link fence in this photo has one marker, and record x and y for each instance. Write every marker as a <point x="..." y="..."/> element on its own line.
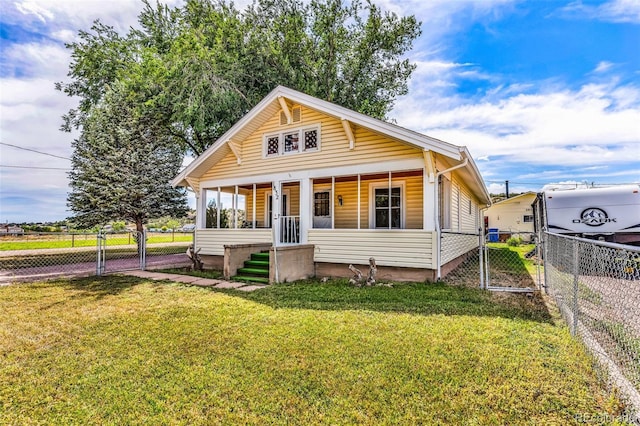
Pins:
<point x="596" y="286"/>
<point x="41" y="256"/>
<point x="507" y="261"/>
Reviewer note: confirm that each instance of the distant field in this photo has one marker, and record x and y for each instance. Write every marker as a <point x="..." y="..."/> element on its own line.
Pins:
<point x="51" y="241"/>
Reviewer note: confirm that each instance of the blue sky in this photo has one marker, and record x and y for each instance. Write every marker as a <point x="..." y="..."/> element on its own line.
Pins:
<point x="541" y="92"/>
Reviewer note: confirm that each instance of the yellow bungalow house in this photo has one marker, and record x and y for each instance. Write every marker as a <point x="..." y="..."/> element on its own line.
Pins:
<point x="319" y="187"/>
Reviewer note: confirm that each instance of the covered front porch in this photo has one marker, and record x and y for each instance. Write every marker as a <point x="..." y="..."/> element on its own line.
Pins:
<point x="346" y="218"/>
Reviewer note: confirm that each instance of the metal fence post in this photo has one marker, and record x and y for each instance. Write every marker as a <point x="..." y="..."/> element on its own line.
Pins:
<point x="143" y="254"/>
<point x="481" y="258"/>
<point x="576" y="274"/>
<point x="98" y="254"/>
<point x="545" y="259"/>
<point x="101" y="248"/>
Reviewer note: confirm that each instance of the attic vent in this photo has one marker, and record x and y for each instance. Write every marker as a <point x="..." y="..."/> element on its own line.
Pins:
<point x="296" y="114"/>
<point x="283" y="118"/>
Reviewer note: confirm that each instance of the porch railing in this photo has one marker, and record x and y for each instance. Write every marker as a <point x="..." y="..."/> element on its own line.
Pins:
<point x="289" y="229"/>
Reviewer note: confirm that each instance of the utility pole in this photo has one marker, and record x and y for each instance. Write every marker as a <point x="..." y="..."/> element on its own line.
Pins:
<point x="506" y="184"/>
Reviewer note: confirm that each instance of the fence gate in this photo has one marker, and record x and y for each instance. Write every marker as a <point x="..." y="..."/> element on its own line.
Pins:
<point x="120" y="252"/>
<point x="510" y="262"/>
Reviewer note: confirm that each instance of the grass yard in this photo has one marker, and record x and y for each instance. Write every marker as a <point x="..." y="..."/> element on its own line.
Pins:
<point x="120" y="350"/>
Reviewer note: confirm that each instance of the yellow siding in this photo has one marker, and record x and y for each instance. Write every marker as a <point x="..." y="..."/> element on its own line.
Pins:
<point x="334" y="149"/>
<point x="461" y="219"/>
<point x="509" y="215"/>
<point x="346" y="216"/>
<point x="404" y="248"/>
<point x="455" y="192"/>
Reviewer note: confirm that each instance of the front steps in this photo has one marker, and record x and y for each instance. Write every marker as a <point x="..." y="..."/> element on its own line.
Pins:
<point x="255" y="270"/>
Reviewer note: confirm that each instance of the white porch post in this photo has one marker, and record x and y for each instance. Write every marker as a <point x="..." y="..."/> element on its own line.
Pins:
<point x="235" y="208"/>
<point x="253" y="207"/>
<point x="201" y="209"/>
<point x="306" y="208"/>
<point x="389" y="202"/>
<point x="429" y="185"/>
<point x="358" y="201"/>
<point x="219" y="209"/>
<point x="276" y="209"/>
<point x="332" y="204"/>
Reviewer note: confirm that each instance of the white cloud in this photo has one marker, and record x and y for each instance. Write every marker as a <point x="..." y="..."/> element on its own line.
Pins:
<point x="44" y="60"/>
<point x="596" y="124"/>
<point x="33" y="8"/>
<point x="603" y="66"/>
<point x="618" y="11"/>
<point x="61" y="16"/>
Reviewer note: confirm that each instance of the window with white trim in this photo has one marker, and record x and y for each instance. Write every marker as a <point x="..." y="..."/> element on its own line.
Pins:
<point x="295" y="141"/>
<point x="527" y="218"/>
<point x="387" y="209"/>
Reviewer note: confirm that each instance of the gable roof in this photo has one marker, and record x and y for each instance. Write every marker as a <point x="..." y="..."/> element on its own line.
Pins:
<point x="271" y="105"/>
<point x="511" y="199"/>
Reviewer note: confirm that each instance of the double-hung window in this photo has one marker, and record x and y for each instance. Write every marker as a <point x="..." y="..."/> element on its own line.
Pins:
<point x="387" y="206"/>
<point x="444" y="198"/>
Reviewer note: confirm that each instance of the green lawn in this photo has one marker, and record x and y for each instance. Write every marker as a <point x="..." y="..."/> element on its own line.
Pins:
<point x="119" y="350"/>
<point x="65" y="241"/>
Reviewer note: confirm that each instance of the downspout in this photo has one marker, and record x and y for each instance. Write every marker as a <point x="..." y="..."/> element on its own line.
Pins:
<point x="438" y="230"/>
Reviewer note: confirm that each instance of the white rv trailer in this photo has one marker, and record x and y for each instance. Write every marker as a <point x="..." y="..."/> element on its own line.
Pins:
<point x="610" y="213"/>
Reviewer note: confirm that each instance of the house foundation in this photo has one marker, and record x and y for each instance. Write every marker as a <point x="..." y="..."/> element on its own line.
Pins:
<point x="385" y="273"/>
<point x="292" y="262"/>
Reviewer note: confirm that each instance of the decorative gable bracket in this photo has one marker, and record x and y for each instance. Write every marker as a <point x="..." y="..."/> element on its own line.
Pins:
<point x="235" y="149"/>
<point x="348" y="130"/>
<point x="195" y="185"/>
<point x="285" y="109"/>
<point x="430" y="165"/>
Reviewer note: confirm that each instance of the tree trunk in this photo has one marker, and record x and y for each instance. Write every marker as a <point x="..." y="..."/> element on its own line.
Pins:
<point x="140" y="236"/>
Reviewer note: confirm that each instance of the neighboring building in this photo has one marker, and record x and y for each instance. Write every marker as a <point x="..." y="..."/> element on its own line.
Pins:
<point x="512" y="215"/>
<point x="11" y="230"/>
<point x="320" y="187"/>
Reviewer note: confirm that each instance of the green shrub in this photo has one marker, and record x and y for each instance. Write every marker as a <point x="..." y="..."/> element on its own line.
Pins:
<point x="514" y="241"/>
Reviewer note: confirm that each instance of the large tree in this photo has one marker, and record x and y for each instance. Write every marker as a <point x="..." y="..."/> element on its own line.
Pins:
<point x="122" y="163"/>
<point x="198" y="68"/>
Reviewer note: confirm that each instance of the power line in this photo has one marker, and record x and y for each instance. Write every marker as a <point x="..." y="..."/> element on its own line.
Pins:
<point x="33" y="150"/>
<point x="34" y="167"/>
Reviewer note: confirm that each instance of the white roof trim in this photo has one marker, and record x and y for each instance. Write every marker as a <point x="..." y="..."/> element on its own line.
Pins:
<point x="506" y="200"/>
